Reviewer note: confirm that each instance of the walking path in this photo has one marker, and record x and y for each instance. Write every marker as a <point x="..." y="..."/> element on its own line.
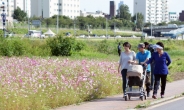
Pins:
<point x="117" y="102"/>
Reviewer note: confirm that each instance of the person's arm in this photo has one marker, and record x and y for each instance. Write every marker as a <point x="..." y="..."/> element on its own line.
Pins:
<point x="148" y="55"/>
<point x="133" y="61"/>
<point x="137" y="58"/>
<point x="151" y="59"/>
<point x="168" y="59"/>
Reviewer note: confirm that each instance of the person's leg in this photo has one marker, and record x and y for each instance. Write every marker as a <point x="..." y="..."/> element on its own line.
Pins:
<point x="148" y="83"/>
<point x="152" y="76"/>
<point x="157" y="83"/>
<point x="163" y="84"/>
<point x="119" y="52"/>
<point x="124" y="73"/>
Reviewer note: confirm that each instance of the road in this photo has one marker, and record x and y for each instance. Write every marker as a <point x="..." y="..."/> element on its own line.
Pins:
<point x="176" y="104"/>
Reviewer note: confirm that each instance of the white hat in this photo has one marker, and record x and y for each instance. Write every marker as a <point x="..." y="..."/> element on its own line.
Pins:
<point x="157" y="47"/>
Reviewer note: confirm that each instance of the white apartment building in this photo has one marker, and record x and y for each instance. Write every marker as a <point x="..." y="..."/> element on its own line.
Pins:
<point x="9" y="7"/>
<point x="49" y="8"/>
<point x="24" y="5"/>
<point x="173" y="16"/>
<point x="154" y="11"/>
<point x="96" y="14"/>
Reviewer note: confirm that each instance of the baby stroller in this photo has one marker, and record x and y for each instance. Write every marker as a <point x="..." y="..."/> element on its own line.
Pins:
<point x="136" y="76"/>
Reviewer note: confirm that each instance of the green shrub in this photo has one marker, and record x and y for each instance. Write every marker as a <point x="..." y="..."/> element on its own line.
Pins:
<point x="80" y="45"/>
<point x="61" y="45"/>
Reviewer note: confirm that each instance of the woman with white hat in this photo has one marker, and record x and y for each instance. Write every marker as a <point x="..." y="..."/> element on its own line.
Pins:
<point x="162" y="61"/>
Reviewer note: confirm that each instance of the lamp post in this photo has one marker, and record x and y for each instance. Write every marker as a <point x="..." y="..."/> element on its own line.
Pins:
<point x="136" y="16"/>
<point x="58" y="18"/>
<point x="3" y="15"/>
<point x="106" y="27"/>
<point x="74" y="27"/>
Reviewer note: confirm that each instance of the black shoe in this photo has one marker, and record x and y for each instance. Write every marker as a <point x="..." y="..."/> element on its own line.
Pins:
<point x="148" y="94"/>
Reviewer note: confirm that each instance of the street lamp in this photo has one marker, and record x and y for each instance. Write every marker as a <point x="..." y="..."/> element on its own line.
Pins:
<point x="106" y="27"/>
<point x="58" y="18"/>
<point x="74" y="27"/>
<point x="136" y="16"/>
<point x="3" y="15"/>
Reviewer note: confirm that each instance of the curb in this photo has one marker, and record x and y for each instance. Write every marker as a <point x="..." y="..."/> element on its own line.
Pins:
<point x="158" y="101"/>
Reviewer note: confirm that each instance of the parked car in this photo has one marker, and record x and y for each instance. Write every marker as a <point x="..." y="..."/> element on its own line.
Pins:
<point x="82" y="36"/>
<point x="118" y="36"/>
<point x="102" y="36"/>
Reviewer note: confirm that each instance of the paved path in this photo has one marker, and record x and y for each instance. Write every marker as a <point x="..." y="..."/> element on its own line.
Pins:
<point x="117" y="102"/>
<point x="176" y="104"/>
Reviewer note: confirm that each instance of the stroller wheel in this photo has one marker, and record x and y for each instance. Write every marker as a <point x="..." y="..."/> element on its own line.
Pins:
<point x="145" y="97"/>
<point x="142" y="98"/>
<point x="126" y="98"/>
<point x="129" y="97"/>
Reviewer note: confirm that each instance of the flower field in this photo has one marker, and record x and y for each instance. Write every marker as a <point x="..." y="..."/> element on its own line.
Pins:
<point x="46" y="83"/>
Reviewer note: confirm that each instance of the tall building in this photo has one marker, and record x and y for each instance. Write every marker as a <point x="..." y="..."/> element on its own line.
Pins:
<point x="24" y="5"/>
<point x="173" y="16"/>
<point x="112" y="9"/>
<point x="9" y="7"/>
<point x="154" y="11"/>
<point x="181" y="18"/>
<point x="49" y="8"/>
<point x="120" y="3"/>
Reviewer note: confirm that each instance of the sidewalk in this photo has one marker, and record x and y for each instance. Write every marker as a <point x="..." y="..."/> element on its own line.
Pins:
<point x="117" y="102"/>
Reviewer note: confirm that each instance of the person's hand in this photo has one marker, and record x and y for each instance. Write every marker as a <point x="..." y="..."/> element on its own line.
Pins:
<point x="145" y="64"/>
<point x="142" y="63"/>
<point x="129" y="61"/>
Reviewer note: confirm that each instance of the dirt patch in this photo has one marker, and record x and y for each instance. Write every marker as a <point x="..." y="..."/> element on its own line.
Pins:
<point x="178" y="76"/>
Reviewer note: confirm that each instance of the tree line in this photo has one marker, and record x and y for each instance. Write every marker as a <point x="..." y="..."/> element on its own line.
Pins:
<point x="122" y="20"/>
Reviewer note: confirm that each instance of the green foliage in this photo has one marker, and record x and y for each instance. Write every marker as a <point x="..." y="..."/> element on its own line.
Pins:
<point x="140" y="20"/>
<point x="19" y="14"/>
<point x="23" y="47"/>
<point x="124" y="12"/>
<point x="61" y="45"/>
<point x="80" y="45"/>
<point x="103" y="47"/>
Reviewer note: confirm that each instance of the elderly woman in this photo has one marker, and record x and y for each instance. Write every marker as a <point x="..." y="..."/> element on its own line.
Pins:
<point x="162" y="61"/>
<point x="127" y="58"/>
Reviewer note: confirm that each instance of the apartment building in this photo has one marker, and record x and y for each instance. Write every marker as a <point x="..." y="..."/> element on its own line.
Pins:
<point x="154" y="11"/>
<point x="181" y="17"/>
<point x="49" y="8"/>
<point x="120" y="3"/>
<point x="24" y="5"/>
<point x="173" y="16"/>
<point x="112" y="9"/>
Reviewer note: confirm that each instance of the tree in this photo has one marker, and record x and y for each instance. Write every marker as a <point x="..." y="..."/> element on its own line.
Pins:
<point x="140" y="20"/>
<point x="19" y="14"/>
<point x="162" y="24"/>
<point x="124" y="12"/>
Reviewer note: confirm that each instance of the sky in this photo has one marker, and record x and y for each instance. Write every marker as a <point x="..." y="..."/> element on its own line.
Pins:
<point x="103" y="5"/>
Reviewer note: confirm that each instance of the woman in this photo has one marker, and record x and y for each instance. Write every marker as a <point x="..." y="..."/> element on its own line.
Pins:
<point x="162" y="61"/>
<point x="126" y="58"/>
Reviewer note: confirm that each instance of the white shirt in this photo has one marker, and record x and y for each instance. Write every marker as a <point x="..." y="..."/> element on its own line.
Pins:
<point x="125" y="57"/>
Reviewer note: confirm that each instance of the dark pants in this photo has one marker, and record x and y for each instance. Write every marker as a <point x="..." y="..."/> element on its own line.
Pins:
<point x="152" y="74"/>
<point x="157" y="83"/>
<point x="147" y="82"/>
<point x="119" y="52"/>
<point x="124" y="74"/>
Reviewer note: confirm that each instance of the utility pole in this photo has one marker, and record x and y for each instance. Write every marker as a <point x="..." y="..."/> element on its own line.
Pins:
<point x="114" y="29"/>
<point x="106" y="27"/>
<point x="27" y="16"/>
<point x="74" y="27"/>
<point x="136" y="16"/>
<point x="58" y="18"/>
<point x="3" y="15"/>
<point x="151" y="29"/>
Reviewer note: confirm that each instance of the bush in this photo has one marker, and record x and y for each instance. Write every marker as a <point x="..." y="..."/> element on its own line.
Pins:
<point x="61" y="45"/>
